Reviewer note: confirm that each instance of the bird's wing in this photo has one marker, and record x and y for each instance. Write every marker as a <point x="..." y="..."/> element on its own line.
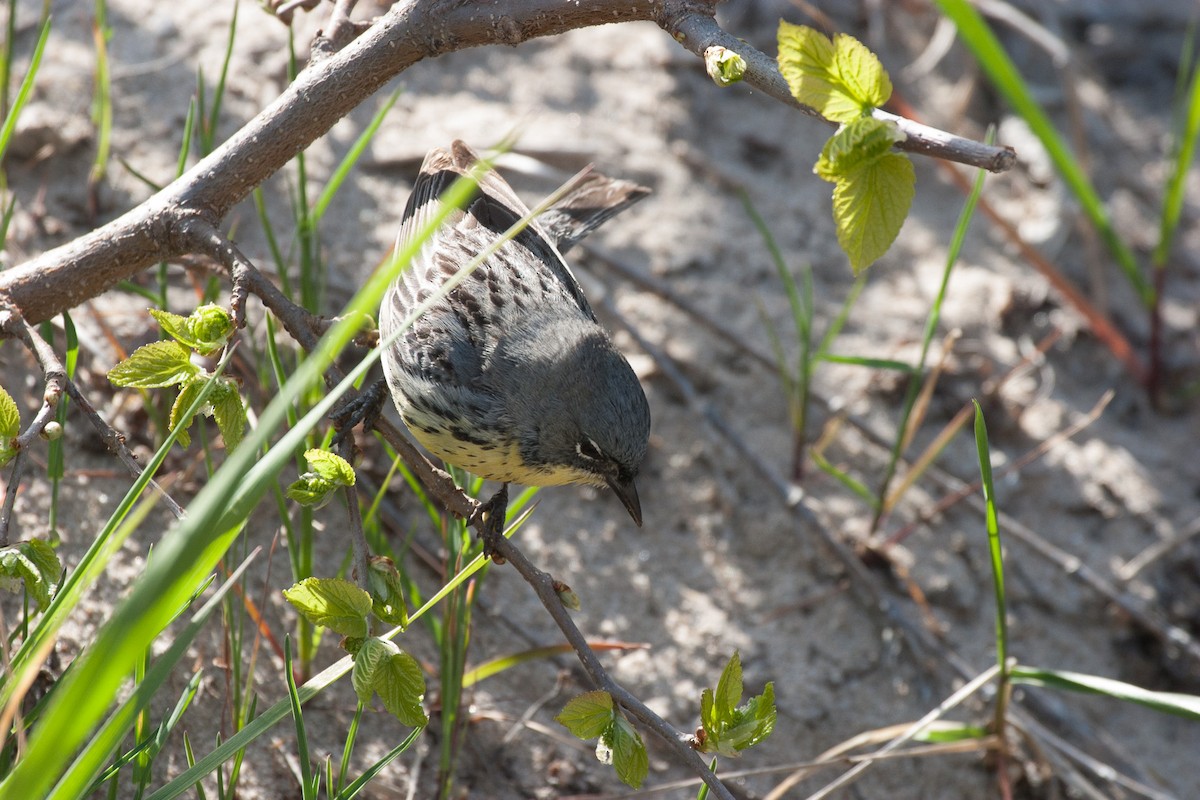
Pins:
<point x="492" y="210"/>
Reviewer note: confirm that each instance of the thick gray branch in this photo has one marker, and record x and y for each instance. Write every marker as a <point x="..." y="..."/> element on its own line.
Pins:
<point x="329" y="89"/>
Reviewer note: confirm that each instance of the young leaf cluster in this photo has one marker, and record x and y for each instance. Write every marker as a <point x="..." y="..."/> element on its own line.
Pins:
<point x="593" y="715"/>
<point x="380" y="666"/>
<point x="873" y="184"/>
<point x="727" y="728"/>
<point x="169" y="363"/>
<point x="33" y="565"/>
<point x="327" y="472"/>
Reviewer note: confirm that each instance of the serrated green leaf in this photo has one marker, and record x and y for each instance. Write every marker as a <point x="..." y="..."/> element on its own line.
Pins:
<point x="330" y="466"/>
<point x="589" y="715"/>
<point x="370" y="653"/>
<point x="380" y="667"/>
<point x="183" y="401"/>
<point x="333" y="603"/>
<point x="729" y="689"/>
<point x="33" y="565"/>
<point x="387" y="591"/>
<point x="856" y="144"/>
<point x="230" y="412"/>
<point x="154" y="366"/>
<point x="870" y="206"/>
<point x="10" y="426"/>
<point x="840" y="78"/>
<point x="628" y="753"/>
<point x="708" y="712"/>
<point x="173" y="325"/>
<point x="310" y="489"/>
<point x="401" y="687"/>
<point x="10" y="416"/>
<point x="753" y="721"/>
<point x="860" y="71"/>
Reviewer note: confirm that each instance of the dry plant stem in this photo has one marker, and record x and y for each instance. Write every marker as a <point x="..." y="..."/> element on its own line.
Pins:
<point x="13" y="324"/>
<point x="10" y="496"/>
<point x="543" y="585"/>
<point x="327" y="91"/>
<point x="698" y="32"/>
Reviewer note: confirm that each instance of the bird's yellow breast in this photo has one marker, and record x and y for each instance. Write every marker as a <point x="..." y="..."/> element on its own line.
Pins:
<point x="500" y="461"/>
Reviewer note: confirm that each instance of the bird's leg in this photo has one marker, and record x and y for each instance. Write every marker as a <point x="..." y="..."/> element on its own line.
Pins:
<point x="365" y="408"/>
<point x="491" y="518"/>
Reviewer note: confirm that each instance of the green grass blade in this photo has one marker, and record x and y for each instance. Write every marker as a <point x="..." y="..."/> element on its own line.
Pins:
<point x="210" y="119"/>
<point x="871" y="363"/>
<point x="91" y="759"/>
<point x="361" y="782"/>
<point x="1185" y="151"/>
<point x="976" y="34"/>
<point x="356" y="151"/>
<point x="92" y="564"/>
<point x="993" y="533"/>
<point x="10" y="122"/>
<point x="1181" y="705"/>
<point x="302" y="754"/>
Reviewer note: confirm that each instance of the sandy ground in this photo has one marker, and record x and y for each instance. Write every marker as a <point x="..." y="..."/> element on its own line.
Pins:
<point x="721" y="563"/>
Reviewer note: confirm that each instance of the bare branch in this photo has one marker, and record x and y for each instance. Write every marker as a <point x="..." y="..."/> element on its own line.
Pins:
<point x="679" y="743"/>
<point x="328" y="90"/>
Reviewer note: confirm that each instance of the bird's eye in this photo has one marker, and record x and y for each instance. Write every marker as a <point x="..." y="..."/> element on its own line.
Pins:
<point x="588" y="449"/>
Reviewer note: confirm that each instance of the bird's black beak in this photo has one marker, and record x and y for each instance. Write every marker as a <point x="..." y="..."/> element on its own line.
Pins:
<point x="627" y="492"/>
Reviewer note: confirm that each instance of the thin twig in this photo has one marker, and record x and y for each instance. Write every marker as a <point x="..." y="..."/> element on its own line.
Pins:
<point x="543" y="585"/>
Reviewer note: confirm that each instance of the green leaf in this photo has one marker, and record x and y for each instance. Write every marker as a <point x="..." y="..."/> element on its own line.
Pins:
<point x="183" y="401"/>
<point x="230" y="413"/>
<point x="628" y="753"/>
<point x="154" y="366"/>
<point x="206" y="330"/>
<point x="33" y="565"/>
<point x="841" y="79"/>
<point x="311" y="490"/>
<point x="173" y="325"/>
<point x="588" y="715"/>
<point x="330" y="466"/>
<point x="382" y="667"/>
<point x="333" y="603"/>
<point x="870" y="206"/>
<point x="10" y="426"/>
<point x="401" y="687"/>
<point x="387" y="591"/>
<point x="855" y="145"/>
<point x="729" y="688"/>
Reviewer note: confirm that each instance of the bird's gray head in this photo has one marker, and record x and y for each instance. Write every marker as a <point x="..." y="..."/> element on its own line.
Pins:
<point x="587" y="420"/>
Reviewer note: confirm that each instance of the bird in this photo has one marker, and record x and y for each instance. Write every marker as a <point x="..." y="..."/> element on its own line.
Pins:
<point x="510" y="376"/>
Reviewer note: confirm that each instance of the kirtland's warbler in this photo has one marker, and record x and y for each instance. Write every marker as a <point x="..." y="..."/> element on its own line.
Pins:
<point x="510" y="376"/>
